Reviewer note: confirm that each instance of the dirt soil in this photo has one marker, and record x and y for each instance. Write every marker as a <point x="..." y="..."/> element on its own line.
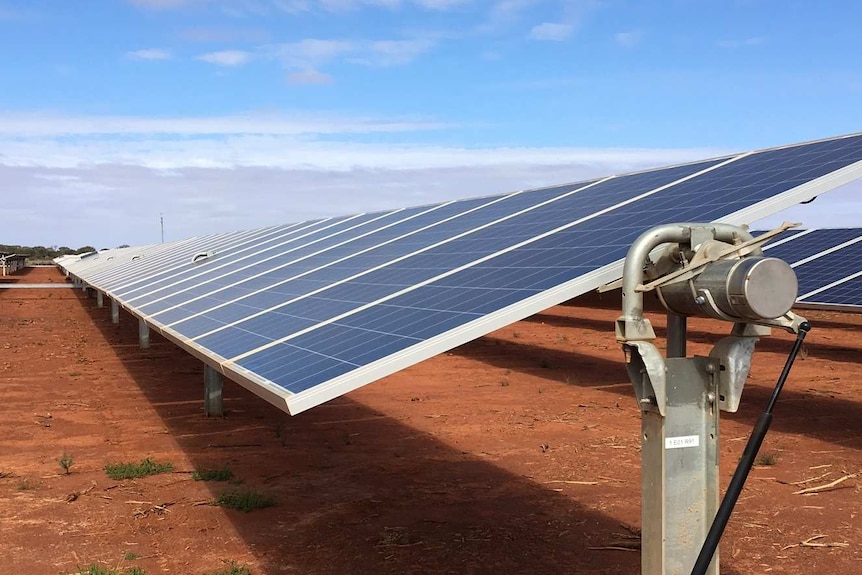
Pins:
<point x="515" y="454"/>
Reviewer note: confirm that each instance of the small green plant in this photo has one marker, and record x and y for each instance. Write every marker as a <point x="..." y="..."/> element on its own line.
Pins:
<point x="75" y="374"/>
<point x="766" y="458"/>
<point x="96" y="569"/>
<point x="134" y="470"/>
<point x="245" y="500"/>
<point x="130" y="556"/>
<point x="26" y="485"/>
<point x="66" y="462"/>
<point x="202" y="474"/>
<point x="233" y="569"/>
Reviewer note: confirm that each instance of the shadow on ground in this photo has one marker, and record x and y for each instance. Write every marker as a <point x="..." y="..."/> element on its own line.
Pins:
<point x="359" y="492"/>
<point x="815" y="409"/>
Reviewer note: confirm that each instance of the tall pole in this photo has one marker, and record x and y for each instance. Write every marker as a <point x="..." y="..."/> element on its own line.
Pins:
<point x="162" y="221"/>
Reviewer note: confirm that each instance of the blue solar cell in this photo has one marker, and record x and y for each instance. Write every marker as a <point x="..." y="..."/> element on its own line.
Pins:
<point x="166" y="293"/>
<point x="829" y="268"/>
<point x="164" y="258"/>
<point x="804" y="245"/>
<point x="476" y="243"/>
<point x="848" y="293"/>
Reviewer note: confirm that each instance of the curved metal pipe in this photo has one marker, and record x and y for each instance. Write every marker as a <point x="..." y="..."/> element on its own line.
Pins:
<point x="647" y="242"/>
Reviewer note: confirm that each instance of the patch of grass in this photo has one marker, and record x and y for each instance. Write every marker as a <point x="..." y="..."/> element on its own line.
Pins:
<point x="96" y="569"/>
<point x="66" y="462"/>
<point x="75" y="374"/>
<point x="245" y="500"/>
<point x="202" y="474"/>
<point x="766" y="458"/>
<point x="26" y="485"/>
<point x="130" y="556"/>
<point x="134" y="470"/>
<point x="233" y="569"/>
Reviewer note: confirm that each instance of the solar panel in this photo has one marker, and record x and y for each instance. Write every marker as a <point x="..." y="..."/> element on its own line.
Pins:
<point x="824" y="260"/>
<point x="301" y="314"/>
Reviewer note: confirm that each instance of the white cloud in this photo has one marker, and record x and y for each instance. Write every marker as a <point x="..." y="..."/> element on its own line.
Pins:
<point x="214" y="34"/>
<point x="228" y="58"/>
<point x="165" y="4"/>
<point x="15" y="14"/>
<point x="309" y="77"/>
<point x="117" y="202"/>
<point x="627" y="39"/>
<point x="747" y="42"/>
<point x="313" y="53"/>
<point x="551" y="32"/>
<point x="385" y="53"/>
<point x="310" y="53"/>
<point x="31" y="127"/>
<point x="503" y="14"/>
<point x="149" y="54"/>
<point x="271" y="140"/>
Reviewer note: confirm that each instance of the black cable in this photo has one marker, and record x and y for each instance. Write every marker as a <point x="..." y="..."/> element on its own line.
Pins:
<point x="746" y="462"/>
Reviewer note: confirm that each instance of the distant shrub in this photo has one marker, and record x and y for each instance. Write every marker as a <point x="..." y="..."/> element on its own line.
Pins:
<point x="134" y="470"/>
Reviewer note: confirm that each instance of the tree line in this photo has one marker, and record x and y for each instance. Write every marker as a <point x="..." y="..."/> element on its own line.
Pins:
<point x="42" y="252"/>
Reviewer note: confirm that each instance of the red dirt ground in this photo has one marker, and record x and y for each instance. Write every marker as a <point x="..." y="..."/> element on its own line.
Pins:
<point x="465" y="464"/>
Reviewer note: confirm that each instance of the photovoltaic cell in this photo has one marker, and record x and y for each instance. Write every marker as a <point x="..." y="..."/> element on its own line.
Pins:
<point x="313" y="310"/>
<point x="824" y="259"/>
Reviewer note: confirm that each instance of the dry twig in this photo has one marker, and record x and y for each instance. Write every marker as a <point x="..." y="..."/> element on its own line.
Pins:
<point x="804" y="481"/>
<point x="810" y="542"/>
<point x="826" y="487"/>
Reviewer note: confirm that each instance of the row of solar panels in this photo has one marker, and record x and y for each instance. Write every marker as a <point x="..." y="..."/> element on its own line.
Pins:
<point x="305" y="312"/>
<point x="828" y="265"/>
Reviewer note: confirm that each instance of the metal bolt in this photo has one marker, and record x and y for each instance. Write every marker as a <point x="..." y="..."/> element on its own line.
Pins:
<point x="700" y="300"/>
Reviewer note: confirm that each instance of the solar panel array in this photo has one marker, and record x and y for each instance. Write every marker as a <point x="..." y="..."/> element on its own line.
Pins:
<point x="306" y="312"/>
<point x="828" y="265"/>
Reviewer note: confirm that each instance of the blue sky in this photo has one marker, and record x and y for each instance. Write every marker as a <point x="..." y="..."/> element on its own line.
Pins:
<point x="228" y="114"/>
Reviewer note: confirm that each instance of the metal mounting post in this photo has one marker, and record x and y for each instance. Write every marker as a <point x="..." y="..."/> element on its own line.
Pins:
<point x="115" y="312"/>
<point x="143" y="334"/>
<point x="716" y="270"/>
<point x="213" y="392"/>
<point x="100" y="299"/>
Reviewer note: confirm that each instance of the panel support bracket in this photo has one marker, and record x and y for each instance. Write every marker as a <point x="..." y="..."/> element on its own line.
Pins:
<point x="213" y="392"/>
<point x="143" y="334"/>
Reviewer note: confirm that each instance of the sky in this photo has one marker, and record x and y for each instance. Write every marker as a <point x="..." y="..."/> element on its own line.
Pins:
<point x="233" y="114"/>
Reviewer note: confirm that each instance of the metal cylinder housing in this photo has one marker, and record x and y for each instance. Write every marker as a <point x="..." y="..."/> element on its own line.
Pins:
<point x="751" y="288"/>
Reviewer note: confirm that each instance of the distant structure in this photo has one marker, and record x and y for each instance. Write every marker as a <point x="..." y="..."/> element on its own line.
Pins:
<point x="11" y="263"/>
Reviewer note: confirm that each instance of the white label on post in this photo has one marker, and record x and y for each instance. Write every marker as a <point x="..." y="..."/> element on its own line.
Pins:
<point x="682" y="441"/>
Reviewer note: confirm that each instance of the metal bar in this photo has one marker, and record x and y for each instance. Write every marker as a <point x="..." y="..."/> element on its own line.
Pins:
<point x="213" y="392"/>
<point x="676" y="334"/>
<point x="144" y="334"/>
